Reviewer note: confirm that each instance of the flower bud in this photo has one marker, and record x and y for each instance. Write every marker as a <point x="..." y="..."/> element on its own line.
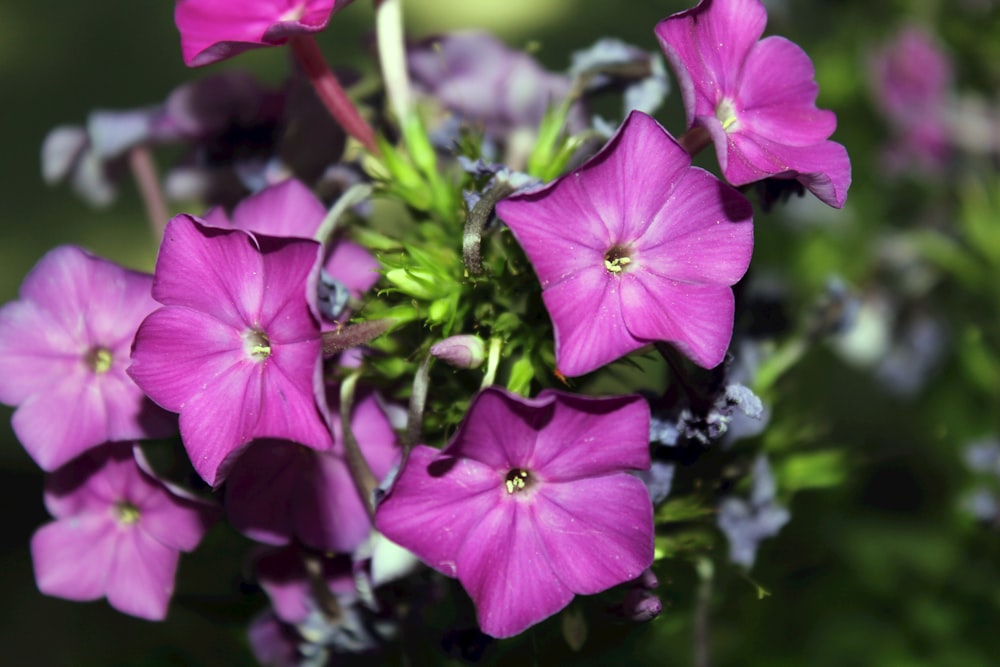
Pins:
<point x="464" y="351"/>
<point x="415" y="282"/>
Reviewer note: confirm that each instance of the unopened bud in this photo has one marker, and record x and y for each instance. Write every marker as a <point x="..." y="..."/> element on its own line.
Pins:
<point x="418" y="283"/>
<point x="641" y="605"/>
<point x="464" y="351"/>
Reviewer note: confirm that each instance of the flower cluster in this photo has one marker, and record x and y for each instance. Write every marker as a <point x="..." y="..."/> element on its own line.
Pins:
<point x="292" y="333"/>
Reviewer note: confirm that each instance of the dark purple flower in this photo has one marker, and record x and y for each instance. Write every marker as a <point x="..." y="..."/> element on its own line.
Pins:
<point x="64" y="349"/>
<point x="283" y="576"/>
<point x="530" y="504"/>
<point x="236" y="348"/>
<point x="482" y="81"/>
<point x="118" y="532"/>
<point x="213" y="30"/>
<point x="755" y="97"/>
<point x="633" y="247"/>
<point x="279" y="491"/>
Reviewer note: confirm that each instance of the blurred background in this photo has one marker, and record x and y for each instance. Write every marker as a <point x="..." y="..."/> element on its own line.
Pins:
<point x="891" y="559"/>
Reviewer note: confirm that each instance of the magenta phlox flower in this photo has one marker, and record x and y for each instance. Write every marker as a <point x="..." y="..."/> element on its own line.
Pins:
<point x="633" y="247"/>
<point x="755" y="97"/>
<point x="530" y="503"/>
<point x="279" y="491"/>
<point x="236" y="348"/>
<point x="290" y="209"/>
<point x="911" y="80"/>
<point x="64" y="350"/>
<point x="281" y="572"/>
<point x="274" y="643"/>
<point x="118" y="533"/>
<point x="213" y="30"/>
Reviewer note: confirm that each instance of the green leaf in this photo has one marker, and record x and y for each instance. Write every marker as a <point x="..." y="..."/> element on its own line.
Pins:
<point x="812" y="470"/>
<point x="685" y="508"/>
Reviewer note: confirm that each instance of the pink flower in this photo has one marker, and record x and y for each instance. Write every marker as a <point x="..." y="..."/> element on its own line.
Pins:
<point x="236" y="348"/>
<point x="530" y="504"/>
<point x="64" y="348"/>
<point x="755" y="97"/>
<point x="118" y="532"/>
<point x="213" y="30"/>
<point x="633" y="247"/>
<point x="281" y="572"/>
<point x="279" y="491"/>
<point x="290" y="210"/>
<point x="911" y="84"/>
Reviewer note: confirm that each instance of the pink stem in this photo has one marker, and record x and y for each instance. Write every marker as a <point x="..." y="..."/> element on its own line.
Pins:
<point x="330" y="91"/>
<point x="144" y="171"/>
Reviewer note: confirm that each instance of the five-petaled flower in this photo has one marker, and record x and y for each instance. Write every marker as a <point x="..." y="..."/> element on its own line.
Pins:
<point x="213" y="30"/>
<point x="755" y="97"/>
<point x="236" y="348"/>
<point x="64" y="348"/>
<point x="635" y="246"/>
<point x="280" y="492"/>
<point x="118" y="533"/>
<point x="531" y="503"/>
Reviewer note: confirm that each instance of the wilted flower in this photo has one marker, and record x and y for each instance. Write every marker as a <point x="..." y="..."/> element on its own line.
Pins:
<point x="755" y="97"/>
<point x="635" y="246"/>
<point x="531" y="503"/>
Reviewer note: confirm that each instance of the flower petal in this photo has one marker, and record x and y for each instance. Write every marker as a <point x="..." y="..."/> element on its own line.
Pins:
<point x="697" y="319"/>
<point x="72" y="557"/>
<point x="586" y="313"/>
<point x="502" y="435"/>
<point x="587" y="437"/>
<point x="825" y="168"/>
<point x="286" y="209"/>
<point x="178" y="351"/>
<point x="778" y="95"/>
<point x="328" y="512"/>
<point x="598" y="532"/>
<point x="141" y="578"/>
<point x="704" y="234"/>
<point x="261" y="487"/>
<point x="210" y="270"/>
<point x="505" y="567"/>
<point x="706" y="47"/>
<point x="60" y="424"/>
<point x="435" y="502"/>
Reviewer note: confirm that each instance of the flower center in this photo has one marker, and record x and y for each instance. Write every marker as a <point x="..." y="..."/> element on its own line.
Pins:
<point x="126" y="513"/>
<point x="258" y="346"/>
<point x="294" y="13"/>
<point x="726" y="113"/>
<point x="617" y="259"/>
<point x="98" y="359"/>
<point x="517" y="480"/>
